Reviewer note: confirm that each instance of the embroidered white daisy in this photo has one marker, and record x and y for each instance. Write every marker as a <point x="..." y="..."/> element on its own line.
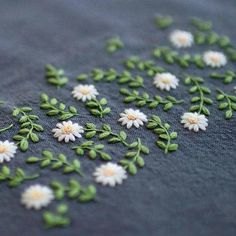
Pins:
<point x="37" y="196"/>
<point x="181" y="39"/>
<point x="110" y="174"/>
<point x="85" y="92"/>
<point x="68" y="131"/>
<point x="165" y="81"/>
<point x="132" y="117"/>
<point x="7" y="151"/>
<point x="194" y="121"/>
<point x="214" y="59"/>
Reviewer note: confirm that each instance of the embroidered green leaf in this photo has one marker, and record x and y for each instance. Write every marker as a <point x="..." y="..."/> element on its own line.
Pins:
<point x="144" y="99"/>
<point x="163" y="22"/>
<point x="133" y="159"/>
<point x="164" y="134"/>
<point x="227" y="103"/>
<point x="201" y="25"/>
<point x="201" y="100"/>
<point x="134" y="62"/>
<point x="48" y="159"/>
<point x="231" y="53"/>
<point x="57" y="219"/>
<point x="114" y="44"/>
<point x="227" y="77"/>
<point x="55" y="76"/>
<point x="56" y="108"/>
<point x="93" y="150"/>
<point x="28" y="127"/>
<point x="73" y="190"/>
<point x="15" y="179"/>
<point x="98" y="107"/>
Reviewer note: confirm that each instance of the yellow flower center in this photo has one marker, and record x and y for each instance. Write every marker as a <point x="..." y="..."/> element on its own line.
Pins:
<point x="85" y="91"/>
<point x="37" y="195"/>
<point x="3" y="149"/>
<point x="165" y="80"/>
<point x="67" y="129"/>
<point x="193" y="120"/>
<point x="215" y="58"/>
<point x="131" y="117"/>
<point x="182" y="39"/>
<point x="108" y="172"/>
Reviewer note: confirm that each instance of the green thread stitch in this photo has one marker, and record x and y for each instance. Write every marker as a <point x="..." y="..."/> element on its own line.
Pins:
<point x="15" y="179"/>
<point x="144" y="99"/>
<point x="227" y="77"/>
<point x="94" y="150"/>
<point x="57" y="219"/>
<point x="124" y="77"/>
<point x="201" y="25"/>
<point x="73" y="190"/>
<point x="56" y="162"/>
<point x="227" y="102"/>
<point x="57" y="109"/>
<point x="131" y="162"/>
<point x="28" y="127"/>
<point x="55" y="76"/>
<point x="96" y="107"/>
<point x="201" y="98"/>
<point x="163" y="22"/>
<point x="165" y="136"/>
<point x="114" y="44"/>
<point x="135" y="62"/>
<point x="6" y="128"/>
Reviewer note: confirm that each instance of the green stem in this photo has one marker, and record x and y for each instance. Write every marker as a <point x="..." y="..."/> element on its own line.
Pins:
<point x="31" y="177"/>
<point x="201" y="96"/>
<point x="7" y="128"/>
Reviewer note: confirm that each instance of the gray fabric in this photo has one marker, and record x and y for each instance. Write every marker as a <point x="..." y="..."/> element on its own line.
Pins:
<point x="189" y="192"/>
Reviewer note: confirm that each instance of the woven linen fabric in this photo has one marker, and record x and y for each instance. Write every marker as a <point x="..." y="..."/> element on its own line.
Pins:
<point x="189" y="192"/>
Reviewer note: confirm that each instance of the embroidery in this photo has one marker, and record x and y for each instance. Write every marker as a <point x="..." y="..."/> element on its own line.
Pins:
<point x="165" y="81"/>
<point x="94" y="150"/>
<point x="227" y="102"/>
<point x="28" y="127"/>
<point x="58" y="219"/>
<point x="6" y="128"/>
<point x="144" y="99"/>
<point x="228" y="77"/>
<point x="181" y="39"/>
<point x="110" y="174"/>
<point x="114" y="44"/>
<point x="163" y="22"/>
<point x="7" y="151"/>
<point x="55" y="76"/>
<point x="165" y="136"/>
<point x="214" y="59"/>
<point x="15" y="179"/>
<point x="56" y="162"/>
<point x="37" y="196"/>
<point x="57" y="109"/>
<point x="201" y="98"/>
<point x="85" y="92"/>
<point x="73" y="190"/>
<point x="96" y="107"/>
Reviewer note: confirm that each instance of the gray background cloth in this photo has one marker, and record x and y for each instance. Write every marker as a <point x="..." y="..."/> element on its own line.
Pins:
<point x="189" y="192"/>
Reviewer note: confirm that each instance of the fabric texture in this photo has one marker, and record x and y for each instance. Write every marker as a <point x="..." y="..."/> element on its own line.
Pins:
<point x="189" y="192"/>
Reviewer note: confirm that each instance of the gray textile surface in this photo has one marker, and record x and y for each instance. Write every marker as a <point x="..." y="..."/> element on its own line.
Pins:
<point x="189" y="192"/>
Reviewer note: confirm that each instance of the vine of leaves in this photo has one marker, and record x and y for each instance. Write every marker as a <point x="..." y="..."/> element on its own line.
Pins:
<point x="165" y="136"/>
<point x="97" y="107"/>
<point x="201" y="98"/>
<point x="28" y="127"/>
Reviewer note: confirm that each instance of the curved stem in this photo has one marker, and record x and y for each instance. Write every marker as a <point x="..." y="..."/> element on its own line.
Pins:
<point x="6" y="128"/>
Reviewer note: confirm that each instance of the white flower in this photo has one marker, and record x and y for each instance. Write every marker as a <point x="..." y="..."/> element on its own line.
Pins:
<point x="84" y="92"/>
<point x="132" y="117"/>
<point x="67" y="131"/>
<point x="214" y="59"/>
<point x="7" y="151"/>
<point x="194" y="121"/>
<point x="110" y="174"/>
<point x="37" y="196"/>
<point x="165" y="81"/>
<point x="181" y="39"/>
